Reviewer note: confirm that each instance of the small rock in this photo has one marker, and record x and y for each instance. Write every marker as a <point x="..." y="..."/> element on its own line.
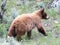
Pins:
<point x="56" y="21"/>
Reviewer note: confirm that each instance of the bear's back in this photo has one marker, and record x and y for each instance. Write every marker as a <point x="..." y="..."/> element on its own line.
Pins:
<point x="24" y="22"/>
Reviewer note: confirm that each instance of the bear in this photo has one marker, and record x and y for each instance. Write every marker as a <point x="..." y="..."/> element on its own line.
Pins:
<point x="26" y="22"/>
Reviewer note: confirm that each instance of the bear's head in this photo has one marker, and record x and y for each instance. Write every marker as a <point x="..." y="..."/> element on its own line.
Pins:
<point x="43" y="14"/>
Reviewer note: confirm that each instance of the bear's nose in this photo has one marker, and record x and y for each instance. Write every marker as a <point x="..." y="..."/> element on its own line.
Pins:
<point x="47" y="17"/>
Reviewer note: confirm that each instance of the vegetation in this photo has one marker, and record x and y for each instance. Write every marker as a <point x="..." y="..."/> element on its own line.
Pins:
<point x="52" y="25"/>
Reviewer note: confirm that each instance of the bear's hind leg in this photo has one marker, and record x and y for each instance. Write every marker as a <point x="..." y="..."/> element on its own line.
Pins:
<point x="29" y="34"/>
<point x="18" y="37"/>
<point x="19" y="34"/>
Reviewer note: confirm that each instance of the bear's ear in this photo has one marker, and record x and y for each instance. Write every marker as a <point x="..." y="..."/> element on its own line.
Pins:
<point x="42" y="10"/>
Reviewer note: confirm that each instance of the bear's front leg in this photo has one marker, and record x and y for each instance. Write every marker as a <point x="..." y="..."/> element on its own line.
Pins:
<point x="41" y="30"/>
<point x="29" y="34"/>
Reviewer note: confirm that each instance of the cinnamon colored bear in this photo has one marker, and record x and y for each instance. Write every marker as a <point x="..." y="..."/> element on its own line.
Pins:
<point x="26" y="22"/>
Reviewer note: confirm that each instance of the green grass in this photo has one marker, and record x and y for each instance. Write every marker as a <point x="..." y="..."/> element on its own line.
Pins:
<point x="37" y="38"/>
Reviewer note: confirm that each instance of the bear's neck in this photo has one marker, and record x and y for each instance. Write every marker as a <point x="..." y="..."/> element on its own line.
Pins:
<point x="37" y="13"/>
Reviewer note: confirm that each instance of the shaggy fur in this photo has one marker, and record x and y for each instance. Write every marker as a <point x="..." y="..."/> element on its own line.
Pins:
<point x="26" y="22"/>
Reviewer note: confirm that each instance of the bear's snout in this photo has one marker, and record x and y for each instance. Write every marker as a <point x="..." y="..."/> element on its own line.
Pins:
<point x="47" y="17"/>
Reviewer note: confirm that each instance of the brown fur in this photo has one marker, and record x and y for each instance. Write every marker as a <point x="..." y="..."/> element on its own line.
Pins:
<point x="26" y="22"/>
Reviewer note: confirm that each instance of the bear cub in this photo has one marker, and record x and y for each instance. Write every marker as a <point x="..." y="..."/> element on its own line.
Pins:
<point x="26" y="22"/>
